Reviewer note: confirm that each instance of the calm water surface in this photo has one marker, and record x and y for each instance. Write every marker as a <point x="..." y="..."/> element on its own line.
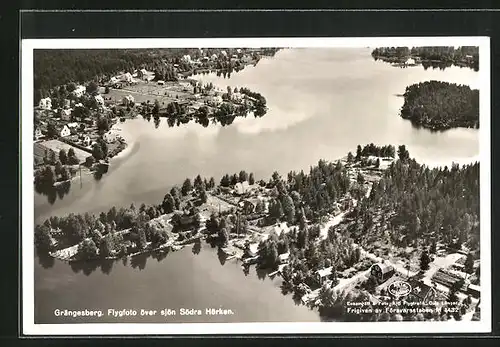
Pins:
<point x="322" y="104"/>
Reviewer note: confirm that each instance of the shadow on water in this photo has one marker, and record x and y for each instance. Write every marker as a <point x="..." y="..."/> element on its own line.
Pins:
<point x="53" y="192"/>
<point x="139" y="261"/>
<point x="196" y="247"/>
<point x="222" y="256"/>
<point x="46" y="261"/>
<point x="246" y="269"/>
<point x="261" y="273"/>
<point x="86" y="267"/>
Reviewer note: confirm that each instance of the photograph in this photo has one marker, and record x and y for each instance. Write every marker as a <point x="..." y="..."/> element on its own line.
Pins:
<point x="256" y="186"/>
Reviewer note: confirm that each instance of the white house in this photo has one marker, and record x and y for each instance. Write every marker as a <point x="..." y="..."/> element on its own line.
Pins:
<point x="86" y="141"/>
<point x="215" y="100"/>
<point x="410" y="61"/>
<point x="241" y="187"/>
<point x="38" y="134"/>
<point x="65" y="131"/>
<point x="79" y="91"/>
<point x="161" y="83"/>
<point x="126" y="77"/>
<point x="110" y="136"/>
<point x="100" y="100"/>
<point x="128" y="100"/>
<point x="186" y="58"/>
<point x="223" y="53"/>
<point x="236" y="97"/>
<point x="45" y="104"/>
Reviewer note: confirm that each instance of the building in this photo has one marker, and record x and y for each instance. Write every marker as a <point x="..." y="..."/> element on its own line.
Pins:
<point x="241" y="188"/>
<point x="410" y="62"/>
<point x="213" y="57"/>
<point x="142" y="74"/>
<point x="110" y="136"/>
<point x="474" y="290"/>
<point x="86" y="141"/>
<point x="161" y="83"/>
<point x="100" y="100"/>
<point x="73" y="127"/>
<point x="283" y="258"/>
<point x="45" y="104"/>
<point x="126" y="77"/>
<point x="382" y="271"/>
<point x="216" y="100"/>
<point x="236" y="97"/>
<point x="128" y="100"/>
<point x="323" y="274"/>
<point x="67" y="103"/>
<point x="249" y="205"/>
<point x="421" y="291"/>
<point x="186" y="58"/>
<point x="224" y="54"/>
<point x="65" y="114"/>
<point x="38" y="134"/>
<point x="79" y="91"/>
<point x="65" y="131"/>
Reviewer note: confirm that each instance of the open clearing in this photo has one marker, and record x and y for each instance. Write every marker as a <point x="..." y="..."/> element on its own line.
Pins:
<point x="56" y="146"/>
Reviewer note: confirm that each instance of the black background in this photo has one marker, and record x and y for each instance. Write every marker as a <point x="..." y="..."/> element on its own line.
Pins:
<point x="15" y="25"/>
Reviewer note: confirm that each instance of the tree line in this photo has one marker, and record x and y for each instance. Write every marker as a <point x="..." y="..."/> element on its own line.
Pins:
<point x="449" y="55"/>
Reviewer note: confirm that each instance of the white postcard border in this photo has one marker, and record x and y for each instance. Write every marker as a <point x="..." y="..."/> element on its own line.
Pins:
<point x="26" y="125"/>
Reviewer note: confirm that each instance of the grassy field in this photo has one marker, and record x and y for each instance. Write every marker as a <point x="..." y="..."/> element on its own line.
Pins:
<point x="56" y="146"/>
<point x="151" y="91"/>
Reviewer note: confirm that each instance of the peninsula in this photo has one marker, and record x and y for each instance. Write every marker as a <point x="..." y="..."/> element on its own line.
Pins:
<point x="73" y="121"/>
<point x="340" y="234"/>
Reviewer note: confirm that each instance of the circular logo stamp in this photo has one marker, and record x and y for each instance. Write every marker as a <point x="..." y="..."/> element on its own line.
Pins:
<point x="399" y="288"/>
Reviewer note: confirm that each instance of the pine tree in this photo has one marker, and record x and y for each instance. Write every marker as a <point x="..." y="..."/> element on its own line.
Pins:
<point x="424" y="261"/>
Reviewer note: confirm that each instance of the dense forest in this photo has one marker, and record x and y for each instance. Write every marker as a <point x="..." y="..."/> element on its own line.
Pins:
<point x="448" y="55"/>
<point x="412" y="205"/>
<point x="441" y="105"/>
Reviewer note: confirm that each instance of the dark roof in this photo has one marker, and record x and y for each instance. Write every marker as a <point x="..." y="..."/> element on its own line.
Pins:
<point x="385" y="268"/>
<point x="419" y="289"/>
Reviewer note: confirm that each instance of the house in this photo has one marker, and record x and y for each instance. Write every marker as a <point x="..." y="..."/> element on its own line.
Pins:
<point x="236" y="97"/>
<point x="65" y="131"/>
<point x="79" y="91"/>
<point x="38" y="133"/>
<point x="110" y="136"/>
<point x="161" y="83"/>
<point x="323" y="274"/>
<point x="86" y="141"/>
<point x="224" y="54"/>
<point x="186" y="58"/>
<point x="410" y="62"/>
<point x="142" y="74"/>
<point x="241" y="188"/>
<point x="283" y="258"/>
<point x="382" y="271"/>
<point x="248" y="205"/>
<point x="67" y="103"/>
<point x="216" y="100"/>
<point x="126" y="77"/>
<point x="128" y="100"/>
<point x="474" y="290"/>
<point x="100" y="100"/>
<point x="213" y="57"/>
<point x="73" y="127"/>
<point x="420" y="291"/>
<point x="65" y="114"/>
<point x="45" y="104"/>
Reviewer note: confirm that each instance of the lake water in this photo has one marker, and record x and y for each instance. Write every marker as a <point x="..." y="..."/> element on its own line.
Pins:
<point x="322" y="103"/>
